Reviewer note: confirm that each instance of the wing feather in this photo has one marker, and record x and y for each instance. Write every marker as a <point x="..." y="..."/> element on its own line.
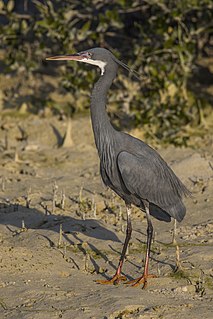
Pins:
<point x="150" y="178"/>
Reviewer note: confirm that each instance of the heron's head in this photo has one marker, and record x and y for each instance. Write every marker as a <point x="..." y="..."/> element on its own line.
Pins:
<point x="97" y="56"/>
<point x="100" y="57"/>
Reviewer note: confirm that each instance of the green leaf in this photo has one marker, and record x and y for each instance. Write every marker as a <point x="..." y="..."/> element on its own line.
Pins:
<point x="24" y="25"/>
<point x="1" y="5"/>
<point x="10" y="5"/>
<point x="86" y="26"/>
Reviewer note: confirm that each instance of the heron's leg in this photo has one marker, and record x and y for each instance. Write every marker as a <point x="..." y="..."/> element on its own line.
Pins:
<point x="127" y="239"/>
<point x="143" y="279"/>
<point x="117" y="277"/>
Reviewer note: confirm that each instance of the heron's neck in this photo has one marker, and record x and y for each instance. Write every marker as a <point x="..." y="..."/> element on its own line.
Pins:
<point x="102" y="127"/>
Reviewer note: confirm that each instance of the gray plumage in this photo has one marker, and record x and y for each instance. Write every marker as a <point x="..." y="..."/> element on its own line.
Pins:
<point x="131" y="168"/>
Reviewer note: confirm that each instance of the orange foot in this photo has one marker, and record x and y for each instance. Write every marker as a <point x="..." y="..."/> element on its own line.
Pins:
<point x="113" y="281"/>
<point x="140" y="280"/>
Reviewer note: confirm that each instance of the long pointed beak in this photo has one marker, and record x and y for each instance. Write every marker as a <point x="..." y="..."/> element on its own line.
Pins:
<point x="71" y="57"/>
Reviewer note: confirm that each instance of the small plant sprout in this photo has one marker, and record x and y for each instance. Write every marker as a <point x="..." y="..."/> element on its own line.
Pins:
<point x="123" y="228"/>
<point x="81" y="203"/>
<point x="3" y="180"/>
<point x="65" y="251"/>
<point x="63" y="198"/>
<point x="16" y="157"/>
<point x="54" y="199"/>
<point x="83" y="215"/>
<point x="27" y="198"/>
<point x="60" y="239"/>
<point x="199" y="287"/>
<point x="158" y="269"/>
<point x="84" y="246"/>
<point x="6" y="144"/>
<point x="86" y="262"/>
<point x="23" y="227"/>
<point x="84" y="204"/>
<point x="120" y="214"/>
<point x="80" y="195"/>
<point x="94" y="210"/>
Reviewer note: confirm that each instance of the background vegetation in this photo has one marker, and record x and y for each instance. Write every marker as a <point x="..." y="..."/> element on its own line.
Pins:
<point x="162" y="39"/>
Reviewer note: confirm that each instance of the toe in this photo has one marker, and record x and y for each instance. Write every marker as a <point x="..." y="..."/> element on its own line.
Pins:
<point x="113" y="281"/>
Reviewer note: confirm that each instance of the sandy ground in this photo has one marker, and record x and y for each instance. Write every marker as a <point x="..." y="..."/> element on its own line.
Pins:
<point x="60" y="230"/>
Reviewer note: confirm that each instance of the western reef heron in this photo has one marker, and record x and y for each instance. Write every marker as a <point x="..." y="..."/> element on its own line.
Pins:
<point x="130" y="167"/>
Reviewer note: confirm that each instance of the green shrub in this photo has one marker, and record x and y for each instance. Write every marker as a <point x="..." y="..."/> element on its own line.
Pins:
<point x="160" y="39"/>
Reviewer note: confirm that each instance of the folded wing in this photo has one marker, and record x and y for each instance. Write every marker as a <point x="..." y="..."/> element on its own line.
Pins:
<point x="151" y="179"/>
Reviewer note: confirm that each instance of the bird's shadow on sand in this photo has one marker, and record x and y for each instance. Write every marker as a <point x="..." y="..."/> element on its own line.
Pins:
<point x="13" y="216"/>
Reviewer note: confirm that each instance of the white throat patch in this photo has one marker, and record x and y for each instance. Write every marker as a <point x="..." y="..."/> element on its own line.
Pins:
<point x="98" y="63"/>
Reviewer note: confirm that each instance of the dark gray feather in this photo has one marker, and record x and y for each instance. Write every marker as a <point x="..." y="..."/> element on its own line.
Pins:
<point x="142" y="176"/>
